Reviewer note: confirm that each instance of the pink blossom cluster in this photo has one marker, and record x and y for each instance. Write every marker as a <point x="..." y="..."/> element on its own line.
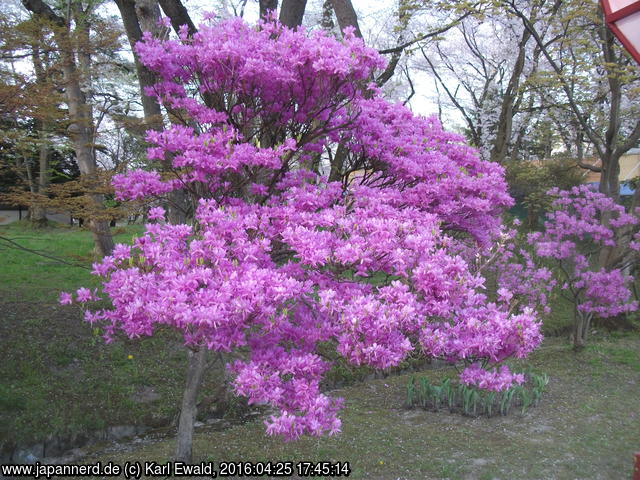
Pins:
<point x="485" y="332"/>
<point x="279" y="260"/>
<point x="139" y="184"/>
<point x="520" y="277"/>
<point x="573" y="233"/>
<point x="605" y="293"/>
<point x="496" y="380"/>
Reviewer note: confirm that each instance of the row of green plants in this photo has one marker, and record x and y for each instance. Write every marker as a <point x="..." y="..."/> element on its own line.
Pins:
<point x="472" y="401"/>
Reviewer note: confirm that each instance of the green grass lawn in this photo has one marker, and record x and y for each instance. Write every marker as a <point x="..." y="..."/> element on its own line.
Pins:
<point x="57" y="376"/>
<point x="25" y="276"/>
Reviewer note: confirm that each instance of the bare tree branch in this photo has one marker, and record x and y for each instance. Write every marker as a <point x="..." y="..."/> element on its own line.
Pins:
<point x="15" y="245"/>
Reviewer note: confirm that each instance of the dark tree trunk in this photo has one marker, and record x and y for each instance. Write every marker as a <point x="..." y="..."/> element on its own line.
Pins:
<point x="327" y="16"/>
<point x="178" y="14"/>
<point x="346" y="17"/>
<point x="139" y="16"/>
<point x="197" y="364"/>
<point x="132" y="27"/>
<point x="505" y="121"/>
<point x="37" y="212"/>
<point x="337" y="165"/>
<point x="267" y="6"/>
<point x="292" y="12"/>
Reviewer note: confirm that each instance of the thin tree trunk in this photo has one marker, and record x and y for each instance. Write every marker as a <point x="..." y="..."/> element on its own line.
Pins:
<point x="586" y="326"/>
<point x="197" y="364"/>
<point x="38" y="213"/>
<point x="578" y="329"/>
<point x="505" y="122"/>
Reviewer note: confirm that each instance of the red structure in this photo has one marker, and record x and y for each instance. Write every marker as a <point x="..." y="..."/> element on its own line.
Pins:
<point x="623" y="18"/>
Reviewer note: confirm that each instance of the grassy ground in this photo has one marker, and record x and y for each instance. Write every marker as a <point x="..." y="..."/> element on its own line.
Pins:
<point x="586" y="427"/>
<point x="57" y="377"/>
<point x="28" y="277"/>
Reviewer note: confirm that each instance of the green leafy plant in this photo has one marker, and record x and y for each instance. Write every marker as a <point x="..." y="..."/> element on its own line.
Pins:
<point x="474" y="401"/>
<point x="411" y="391"/>
<point x="505" y="403"/>
<point x="540" y="383"/>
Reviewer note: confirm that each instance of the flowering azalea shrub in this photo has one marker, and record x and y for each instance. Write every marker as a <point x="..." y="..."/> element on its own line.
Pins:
<point x="279" y="260"/>
<point x="574" y="235"/>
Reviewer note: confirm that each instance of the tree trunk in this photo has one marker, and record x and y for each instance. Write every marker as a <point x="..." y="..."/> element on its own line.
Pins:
<point x="267" y="6"/>
<point x="610" y="186"/>
<point x="346" y="15"/>
<point x="101" y="232"/>
<point x="37" y="212"/>
<point x="327" y="16"/>
<point x="578" y="329"/>
<point x="609" y="176"/>
<point x="138" y="16"/>
<point x="178" y="14"/>
<point x="586" y="326"/>
<point x="337" y="165"/>
<point x="148" y="13"/>
<point x="292" y="12"/>
<point x="134" y="27"/>
<point x="37" y="215"/>
<point x="505" y="121"/>
<point x="197" y="364"/>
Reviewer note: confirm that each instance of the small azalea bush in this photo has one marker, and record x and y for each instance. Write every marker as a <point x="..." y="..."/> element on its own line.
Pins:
<point x="581" y="224"/>
<point x="278" y="260"/>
